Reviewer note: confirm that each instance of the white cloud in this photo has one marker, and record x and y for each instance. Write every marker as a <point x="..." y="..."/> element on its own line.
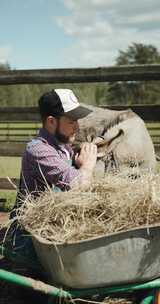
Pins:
<point x="5" y="52"/>
<point x="78" y="25"/>
<point x="89" y="4"/>
<point x="101" y="28"/>
<point x="143" y="18"/>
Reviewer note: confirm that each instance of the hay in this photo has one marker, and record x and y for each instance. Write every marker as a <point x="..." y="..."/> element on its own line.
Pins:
<point x="109" y="300"/>
<point x="115" y="203"/>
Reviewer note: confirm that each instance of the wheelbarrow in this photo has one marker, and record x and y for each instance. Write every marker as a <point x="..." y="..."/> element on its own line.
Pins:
<point x="120" y="263"/>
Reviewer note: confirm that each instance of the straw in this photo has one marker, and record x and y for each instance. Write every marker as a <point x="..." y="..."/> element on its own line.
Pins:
<point x="114" y="203"/>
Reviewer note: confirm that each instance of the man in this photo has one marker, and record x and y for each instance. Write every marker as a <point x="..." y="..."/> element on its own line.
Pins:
<point x="47" y="159"/>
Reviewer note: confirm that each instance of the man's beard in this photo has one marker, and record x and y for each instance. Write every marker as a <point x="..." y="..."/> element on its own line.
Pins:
<point x="61" y="137"/>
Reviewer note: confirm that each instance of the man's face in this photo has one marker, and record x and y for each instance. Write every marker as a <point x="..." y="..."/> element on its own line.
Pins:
<point x="66" y="129"/>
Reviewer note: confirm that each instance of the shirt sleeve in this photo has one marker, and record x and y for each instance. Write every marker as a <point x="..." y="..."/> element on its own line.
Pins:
<point x="50" y="166"/>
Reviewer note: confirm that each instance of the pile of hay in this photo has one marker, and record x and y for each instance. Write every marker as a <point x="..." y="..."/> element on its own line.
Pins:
<point x="115" y="203"/>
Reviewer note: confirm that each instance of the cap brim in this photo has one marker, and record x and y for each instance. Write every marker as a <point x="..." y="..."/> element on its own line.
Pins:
<point x="78" y="113"/>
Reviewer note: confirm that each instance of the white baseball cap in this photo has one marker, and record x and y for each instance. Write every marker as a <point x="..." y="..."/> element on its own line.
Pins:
<point x="60" y="102"/>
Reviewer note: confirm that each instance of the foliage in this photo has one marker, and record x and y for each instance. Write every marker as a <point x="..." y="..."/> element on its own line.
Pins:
<point x="138" y="53"/>
<point x="136" y="92"/>
<point x="10" y="197"/>
<point x="133" y="92"/>
<point x="28" y="95"/>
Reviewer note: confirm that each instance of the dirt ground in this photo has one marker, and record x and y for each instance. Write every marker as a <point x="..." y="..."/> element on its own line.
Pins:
<point x="11" y="293"/>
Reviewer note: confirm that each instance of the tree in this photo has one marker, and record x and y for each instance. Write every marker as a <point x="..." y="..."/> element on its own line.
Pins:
<point x="17" y="95"/>
<point x="4" y="66"/>
<point x="136" y="92"/>
<point x="138" y="53"/>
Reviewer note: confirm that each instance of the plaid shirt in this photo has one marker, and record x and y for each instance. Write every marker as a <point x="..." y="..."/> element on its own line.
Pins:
<point x="45" y="161"/>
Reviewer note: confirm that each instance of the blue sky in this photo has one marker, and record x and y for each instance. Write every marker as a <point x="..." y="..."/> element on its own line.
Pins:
<point x="74" y="33"/>
<point x="29" y="35"/>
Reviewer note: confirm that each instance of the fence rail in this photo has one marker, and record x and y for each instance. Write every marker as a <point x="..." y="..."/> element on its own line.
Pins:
<point x="30" y="114"/>
<point x="79" y="75"/>
<point x="18" y="125"/>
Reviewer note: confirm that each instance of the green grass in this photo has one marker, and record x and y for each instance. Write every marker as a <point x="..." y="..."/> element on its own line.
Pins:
<point x="9" y="166"/>
<point x="18" y="131"/>
<point x="154" y="131"/>
<point x="10" y="197"/>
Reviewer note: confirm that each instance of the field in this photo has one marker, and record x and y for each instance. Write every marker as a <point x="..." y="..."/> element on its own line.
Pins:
<point x="10" y="166"/>
<point x="18" y="131"/>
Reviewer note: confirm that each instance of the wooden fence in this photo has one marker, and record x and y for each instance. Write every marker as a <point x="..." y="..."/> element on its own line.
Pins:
<point x="16" y="126"/>
<point x="13" y="137"/>
<point x="101" y="74"/>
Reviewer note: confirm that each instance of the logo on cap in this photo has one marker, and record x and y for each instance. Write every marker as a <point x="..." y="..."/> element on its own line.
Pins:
<point x="73" y="98"/>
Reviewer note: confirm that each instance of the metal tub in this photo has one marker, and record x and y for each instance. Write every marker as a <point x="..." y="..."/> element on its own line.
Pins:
<point x="125" y="257"/>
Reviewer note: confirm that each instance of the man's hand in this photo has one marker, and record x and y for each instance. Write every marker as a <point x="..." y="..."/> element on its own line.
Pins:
<point x="85" y="161"/>
<point x="87" y="157"/>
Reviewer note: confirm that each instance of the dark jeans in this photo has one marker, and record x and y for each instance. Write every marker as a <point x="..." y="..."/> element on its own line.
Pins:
<point x="19" y="243"/>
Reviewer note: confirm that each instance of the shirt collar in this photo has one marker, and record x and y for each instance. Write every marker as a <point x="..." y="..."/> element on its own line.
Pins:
<point x="50" y="138"/>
